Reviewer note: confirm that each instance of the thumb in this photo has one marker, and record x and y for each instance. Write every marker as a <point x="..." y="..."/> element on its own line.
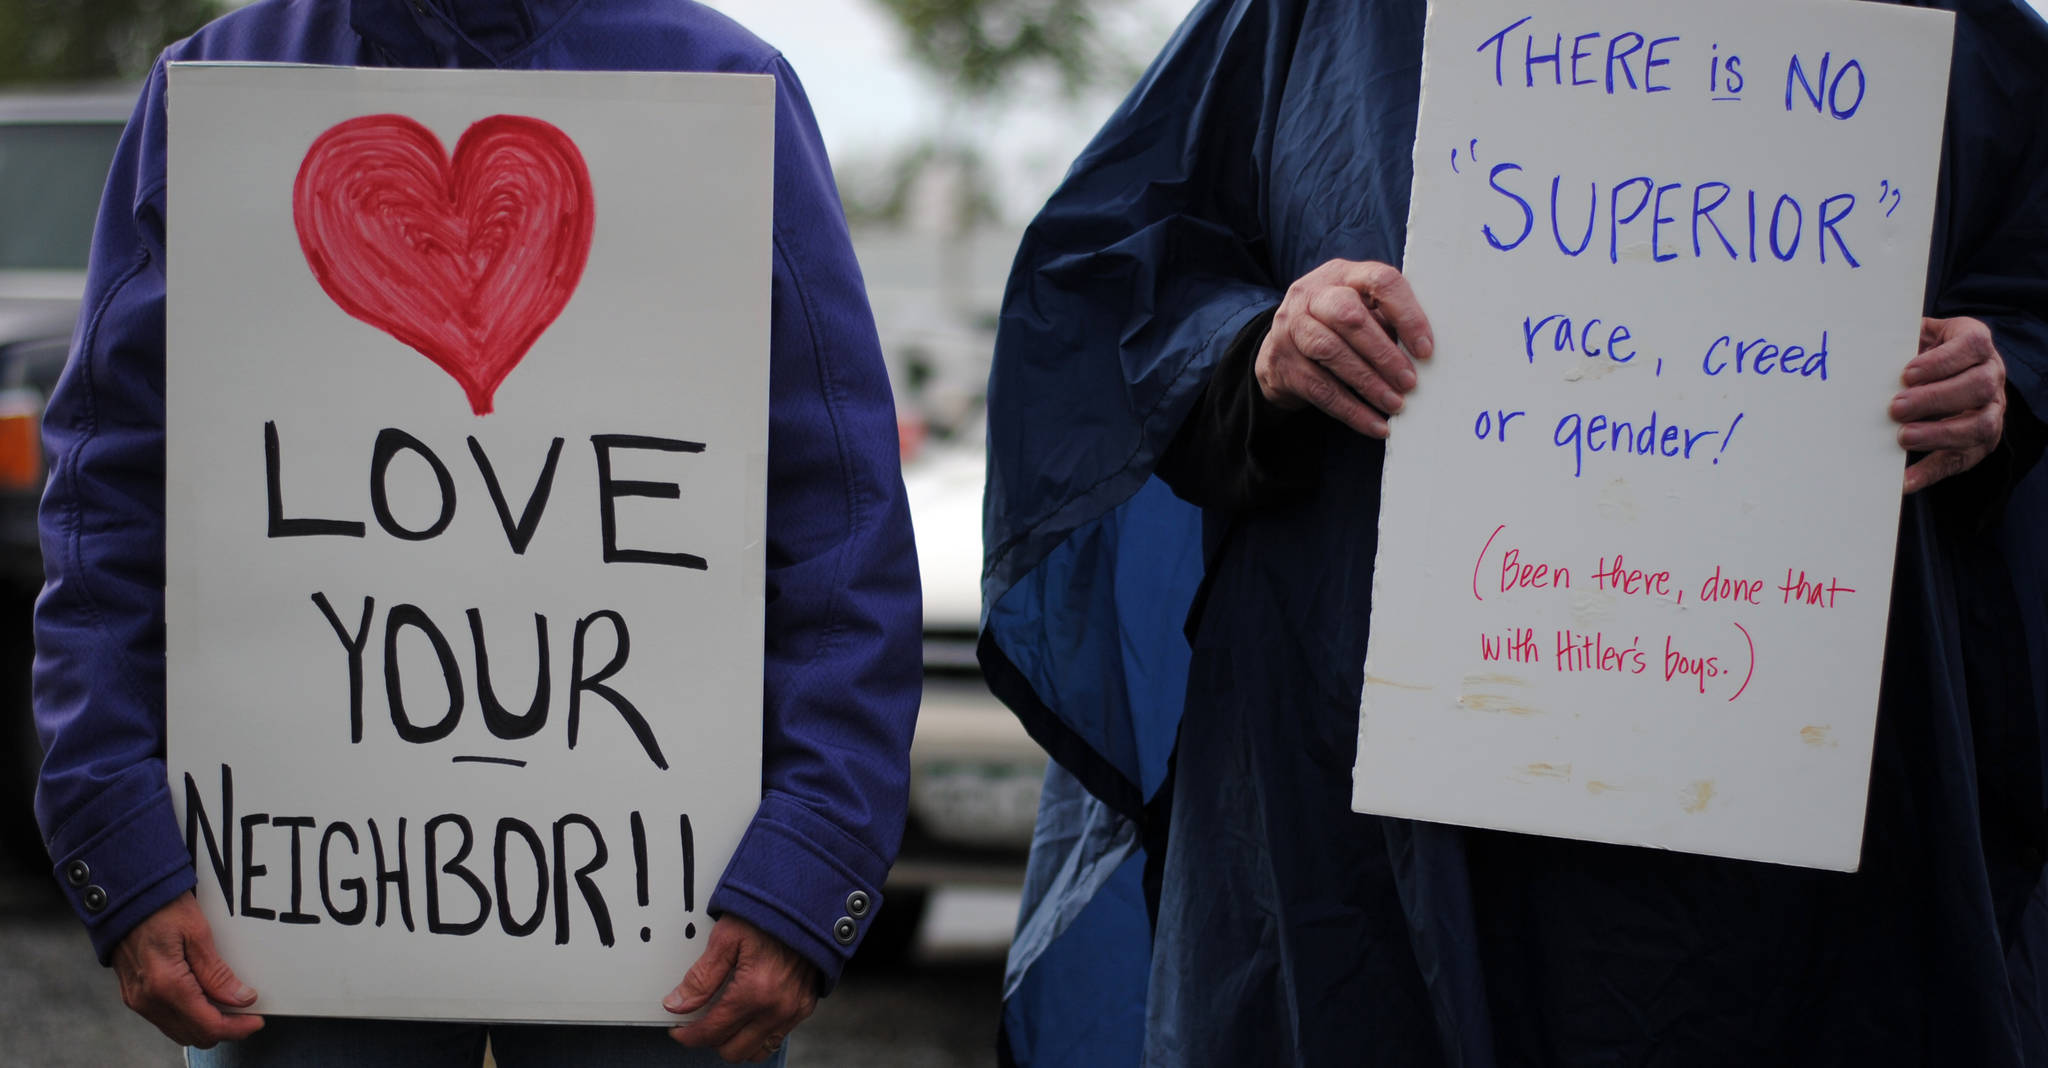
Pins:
<point x="721" y="952"/>
<point x="213" y="973"/>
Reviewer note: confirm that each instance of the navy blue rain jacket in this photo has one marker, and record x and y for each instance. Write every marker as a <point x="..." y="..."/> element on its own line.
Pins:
<point x="1217" y="745"/>
<point x="842" y="641"/>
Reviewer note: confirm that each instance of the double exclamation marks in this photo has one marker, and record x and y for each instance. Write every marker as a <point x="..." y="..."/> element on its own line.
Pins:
<point x="689" y="842"/>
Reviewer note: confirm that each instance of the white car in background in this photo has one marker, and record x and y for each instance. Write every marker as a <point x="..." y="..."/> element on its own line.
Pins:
<point x="974" y="773"/>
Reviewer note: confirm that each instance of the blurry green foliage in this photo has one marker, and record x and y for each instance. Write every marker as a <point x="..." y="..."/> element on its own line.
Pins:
<point x="91" y="40"/>
<point x="977" y="47"/>
<point x="877" y="191"/>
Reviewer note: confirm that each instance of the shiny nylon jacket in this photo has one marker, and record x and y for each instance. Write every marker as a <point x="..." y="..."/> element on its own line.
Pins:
<point x="1216" y="744"/>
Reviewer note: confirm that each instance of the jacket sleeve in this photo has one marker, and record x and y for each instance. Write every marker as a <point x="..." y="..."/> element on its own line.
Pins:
<point x="103" y="801"/>
<point x="1236" y="450"/>
<point x="843" y="615"/>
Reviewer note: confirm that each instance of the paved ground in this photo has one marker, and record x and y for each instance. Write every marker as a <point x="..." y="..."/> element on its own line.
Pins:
<point x="59" y="1009"/>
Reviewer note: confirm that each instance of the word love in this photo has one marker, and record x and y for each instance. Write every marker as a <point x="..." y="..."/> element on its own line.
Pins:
<point x="391" y="443"/>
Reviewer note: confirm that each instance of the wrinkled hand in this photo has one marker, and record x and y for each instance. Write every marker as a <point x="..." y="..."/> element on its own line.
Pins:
<point x="1336" y="343"/>
<point x="758" y="990"/>
<point x="1953" y="406"/>
<point x="173" y="977"/>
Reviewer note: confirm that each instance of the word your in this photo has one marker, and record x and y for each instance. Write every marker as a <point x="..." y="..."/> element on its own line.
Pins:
<point x="501" y="721"/>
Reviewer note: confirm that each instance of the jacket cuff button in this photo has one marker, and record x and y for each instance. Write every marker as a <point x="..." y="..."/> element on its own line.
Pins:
<point x="857" y="904"/>
<point x="95" y="899"/>
<point x="77" y="873"/>
<point x="844" y="931"/>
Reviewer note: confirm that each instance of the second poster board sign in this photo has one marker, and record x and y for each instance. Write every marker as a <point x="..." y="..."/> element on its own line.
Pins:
<point x="467" y="430"/>
<point x="1639" y="516"/>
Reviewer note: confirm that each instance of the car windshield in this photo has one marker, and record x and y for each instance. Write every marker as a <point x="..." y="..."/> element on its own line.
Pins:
<point x="50" y="179"/>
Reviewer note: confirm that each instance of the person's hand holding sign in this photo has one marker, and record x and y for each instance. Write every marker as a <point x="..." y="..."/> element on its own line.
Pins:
<point x="1953" y="406"/>
<point x="172" y="976"/>
<point x="757" y="988"/>
<point x="1336" y="343"/>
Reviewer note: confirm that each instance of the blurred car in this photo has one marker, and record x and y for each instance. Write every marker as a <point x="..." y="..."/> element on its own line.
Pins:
<point x="974" y="773"/>
<point x="55" y="149"/>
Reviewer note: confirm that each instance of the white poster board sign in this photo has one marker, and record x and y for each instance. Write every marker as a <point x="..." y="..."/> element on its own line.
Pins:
<point x="467" y="398"/>
<point x="1638" y="522"/>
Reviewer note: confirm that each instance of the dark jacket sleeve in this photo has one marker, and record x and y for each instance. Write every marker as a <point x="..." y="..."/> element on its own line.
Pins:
<point x="1236" y="449"/>
<point x="843" y="618"/>
<point x="103" y="801"/>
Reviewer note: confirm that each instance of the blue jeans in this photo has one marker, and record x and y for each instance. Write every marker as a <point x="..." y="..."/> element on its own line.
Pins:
<point x="325" y="1042"/>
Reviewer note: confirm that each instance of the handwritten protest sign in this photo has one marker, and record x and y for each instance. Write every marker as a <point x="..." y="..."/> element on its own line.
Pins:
<point x="1639" y="517"/>
<point x="467" y="428"/>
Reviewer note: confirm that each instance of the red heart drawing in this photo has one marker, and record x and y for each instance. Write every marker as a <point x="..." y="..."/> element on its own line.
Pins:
<point x="469" y="260"/>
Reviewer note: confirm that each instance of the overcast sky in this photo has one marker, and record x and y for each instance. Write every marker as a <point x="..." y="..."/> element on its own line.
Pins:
<point x="869" y="97"/>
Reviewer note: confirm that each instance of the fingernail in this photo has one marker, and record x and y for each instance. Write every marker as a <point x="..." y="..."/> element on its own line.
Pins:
<point x="1423" y="347"/>
<point x="245" y="995"/>
<point x="673" y="1002"/>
